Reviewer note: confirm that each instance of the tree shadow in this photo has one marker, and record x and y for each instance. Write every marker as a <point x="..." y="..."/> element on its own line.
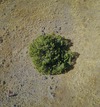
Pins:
<point x="76" y="55"/>
<point x="73" y="63"/>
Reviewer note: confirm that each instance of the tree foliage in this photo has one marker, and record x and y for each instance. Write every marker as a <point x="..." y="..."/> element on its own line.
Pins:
<point x="51" y="54"/>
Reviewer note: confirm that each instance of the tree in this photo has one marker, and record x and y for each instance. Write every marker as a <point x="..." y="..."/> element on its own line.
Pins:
<point x="51" y="54"/>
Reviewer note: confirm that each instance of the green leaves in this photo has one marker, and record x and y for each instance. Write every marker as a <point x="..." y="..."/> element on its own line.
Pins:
<point x="51" y="54"/>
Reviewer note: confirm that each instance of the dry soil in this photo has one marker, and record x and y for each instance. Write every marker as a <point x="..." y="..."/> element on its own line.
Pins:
<point x="21" y="21"/>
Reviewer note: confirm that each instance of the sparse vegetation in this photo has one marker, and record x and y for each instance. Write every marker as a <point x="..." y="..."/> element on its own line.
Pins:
<point x="51" y="54"/>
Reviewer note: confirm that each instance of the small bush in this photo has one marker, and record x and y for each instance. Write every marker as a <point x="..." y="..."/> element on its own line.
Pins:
<point x="51" y="54"/>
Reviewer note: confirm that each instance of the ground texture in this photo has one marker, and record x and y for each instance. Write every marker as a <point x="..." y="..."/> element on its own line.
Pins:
<point x="21" y="21"/>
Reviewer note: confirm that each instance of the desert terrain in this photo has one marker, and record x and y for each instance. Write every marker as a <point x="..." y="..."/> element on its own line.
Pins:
<point x="21" y="21"/>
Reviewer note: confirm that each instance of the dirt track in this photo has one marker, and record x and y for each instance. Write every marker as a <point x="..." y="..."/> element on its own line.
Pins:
<point x="21" y="21"/>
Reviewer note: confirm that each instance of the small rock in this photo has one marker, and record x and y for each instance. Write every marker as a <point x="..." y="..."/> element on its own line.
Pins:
<point x="56" y="0"/>
<point x="14" y="5"/>
<point x="12" y="94"/>
<point x="11" y="60"/>
<point x="84" y="0"/>
<point x="16" y="27"/>
<point x="55" y="87"/>
<point x="52" y="77"/>
<point x="39" y="20"/>
<point x="43" y="28"/>
<point x="3" y="28"/>
<point x="45" y="78"/>
<point x="7" y="65"/>
<point x="14" y="105"/>
<point x="55" y="26"/>
<point x="56" y="31"/>
<point x="11" y="77"/>
<point x="43" y="33"/>
<point x="66" y="22"/>
<point x="22" y="85"/>
<point x="50" y="22"/>
<point x="59" y="28"/>
<point x="18" y="105"/>
<point x="0" y="81"/>
<point x="3" y="61"/>
<point x="7" y="33"/>
<point x="26" y="51"/>
<point x="1" y="65"/>
<point x="53" y="94"/>
<point x="4" y="82"/>
<point x="50" y="88"/>
<point x="1" y="40"/>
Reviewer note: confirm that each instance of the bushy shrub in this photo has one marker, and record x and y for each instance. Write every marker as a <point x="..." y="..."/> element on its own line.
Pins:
<point x="51" y="54"/>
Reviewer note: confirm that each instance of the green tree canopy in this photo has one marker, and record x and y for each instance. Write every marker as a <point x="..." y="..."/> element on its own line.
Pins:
<point x="51" y="54"/>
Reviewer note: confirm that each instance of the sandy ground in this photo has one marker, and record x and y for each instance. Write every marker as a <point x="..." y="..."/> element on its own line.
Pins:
<point x="21" y="21"/>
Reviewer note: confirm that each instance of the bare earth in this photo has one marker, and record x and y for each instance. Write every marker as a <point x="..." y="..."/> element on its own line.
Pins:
<point x="21" y="21"/>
